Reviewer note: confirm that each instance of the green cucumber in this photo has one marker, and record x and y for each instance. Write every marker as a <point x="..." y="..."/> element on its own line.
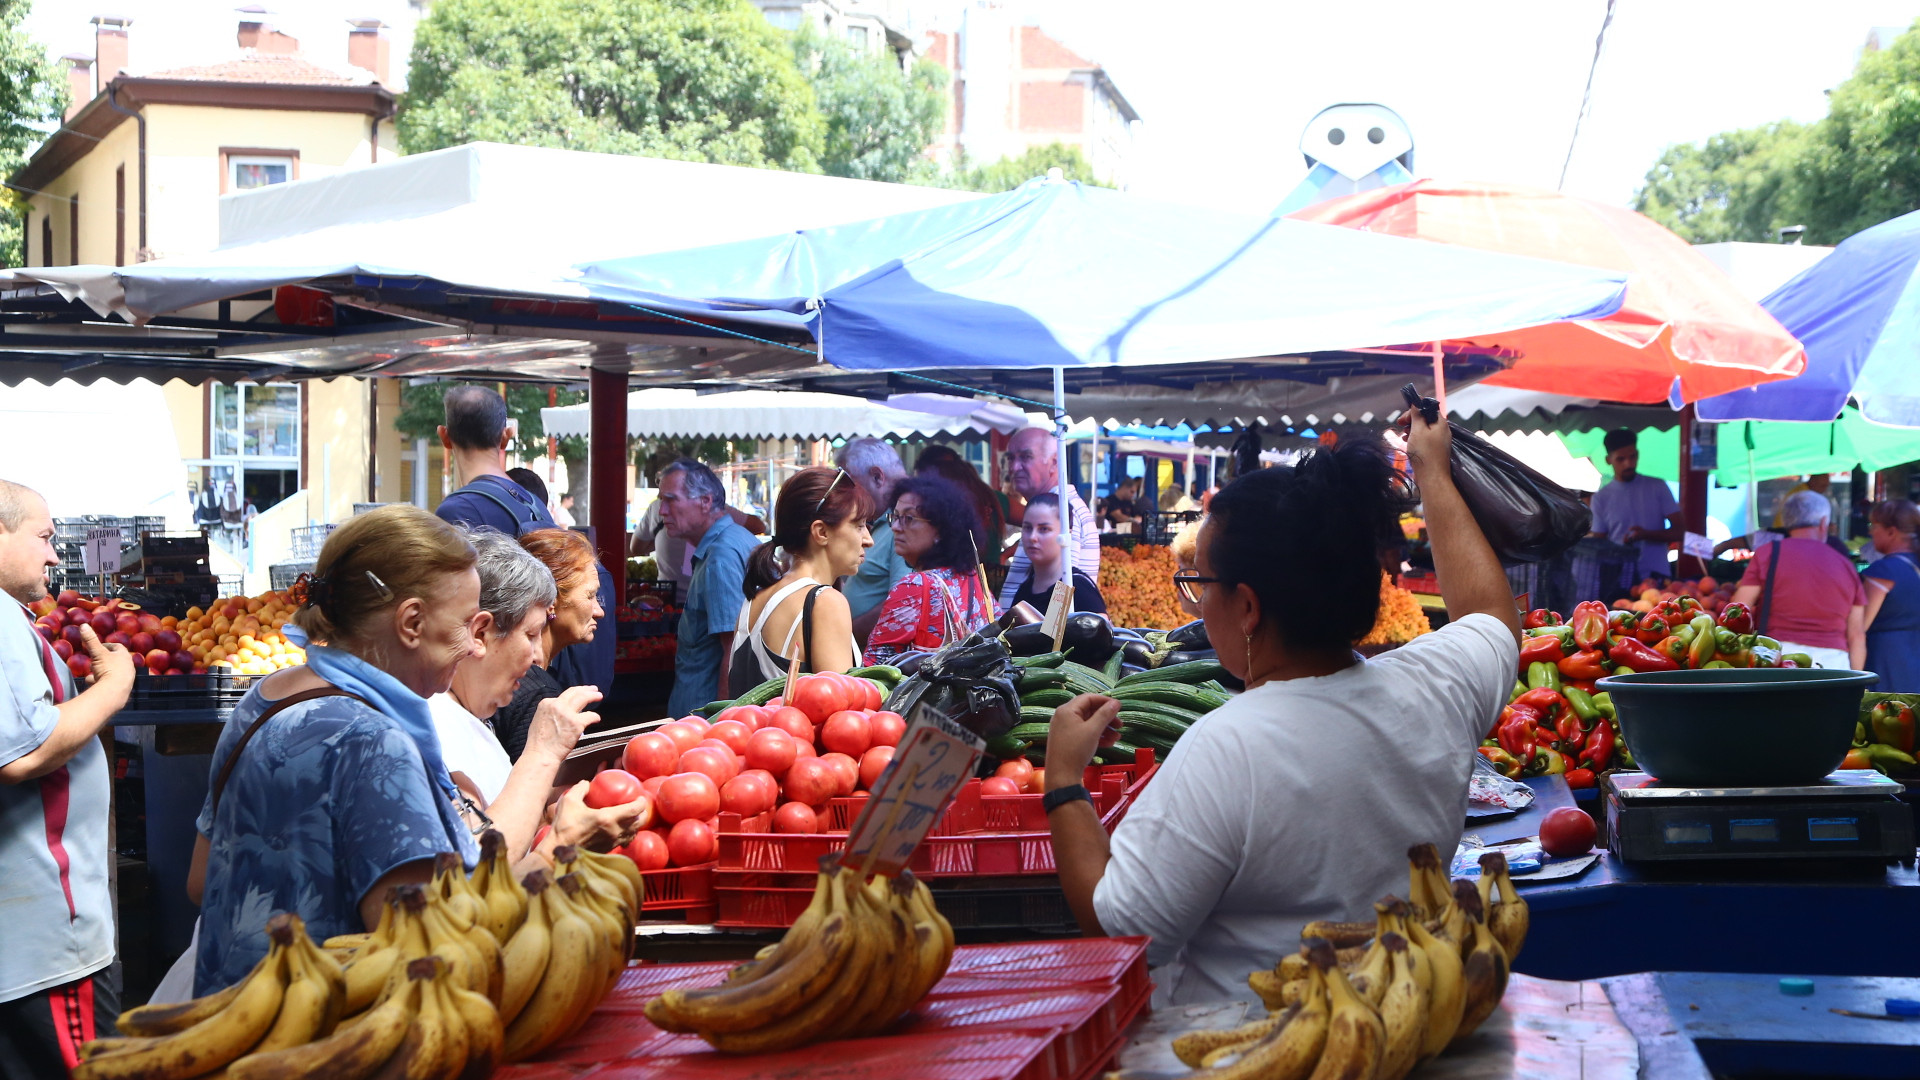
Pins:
<point x="1051" y="696"/>
<point x="713" y="707"/>
<point x="1040" y="679"/>
<point x="763" y="693"/>
<point x="1086" y="673"/>
<point x="1027" y="732"/>
<point x="886" y="675"/>
<point x="1111" y="669"/>
<point x="1120" y="753"/>
<point x="1167" y="727"/>
<point x="1044" y="660"/>
<point x="1191" y="672"/>
<point x="1179" y="695"/>
<point x="1036" y="714"/>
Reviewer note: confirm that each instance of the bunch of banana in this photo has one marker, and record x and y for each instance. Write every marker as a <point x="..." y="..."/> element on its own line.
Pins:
<point x="493" y="882"/>
<point x="1483" y="962"/>
<point x="860" y="956"/>
<point x="424" y="1026"/>
<point x="566" y="956"/>
<point x="1507" y="914"/>
<point x="1432" y="904"/>
<point x="292" y="996"/>
<point x="1331" y="1032"/>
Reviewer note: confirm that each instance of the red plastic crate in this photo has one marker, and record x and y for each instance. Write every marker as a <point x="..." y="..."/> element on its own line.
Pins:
<point x="678" y="887"/>
<point x="972" y="812"/>
<point x="951" y="1055"/>
<point x="1090" y="1020"/>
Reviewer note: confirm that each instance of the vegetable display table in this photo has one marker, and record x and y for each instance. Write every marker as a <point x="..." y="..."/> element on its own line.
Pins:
<point x="1615" y="919"/>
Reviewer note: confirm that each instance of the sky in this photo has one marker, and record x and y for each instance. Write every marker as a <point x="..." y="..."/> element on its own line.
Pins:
<point x="1490" y="88"/>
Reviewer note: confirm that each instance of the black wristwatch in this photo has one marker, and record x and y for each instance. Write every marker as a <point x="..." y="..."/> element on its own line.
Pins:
<point x="1059" y="797"/>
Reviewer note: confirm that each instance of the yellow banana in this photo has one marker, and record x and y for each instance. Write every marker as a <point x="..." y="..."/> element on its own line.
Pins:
<point x="880" y="925"/>
<point x="152" y="1020"/>
<point x="1356" y="1037"/>
<point x="524" y="960"/>
<point x="852" y="957"/>
<point x="303" y="1009"/>
<point x="1195" y="1047"/>
<point x="366" y="975"/>
<point x="1429" y="892"/>
<point x="1507" y="914"/>
<point x="351" y="1054"/>
<point x="1404" y="1009"/>
<point x="499" y="890"/>
<point x="622" y="868"/>
<point x="1292" y="1048"/>
<point x="1483" y="971"/>
<point x="485" y="1034"/>
<point x="1340" y="934"/>
<point x="348" y="942"/>
<point x="606" y="966"/>
<point x="1369" y="978"/>
<point x="323" y="966"/>
<point x="445" y="1051"/>
<point x="449" y="890"/>
<point x="446" y="941"/>
<point x="1447" y="996"/>
<point x="1266" y="983"/>
<point x="785" y="985"/>
<point x="572" y="963"/>
<point x="212" y="1042"/>
<point x="924" y="896"/>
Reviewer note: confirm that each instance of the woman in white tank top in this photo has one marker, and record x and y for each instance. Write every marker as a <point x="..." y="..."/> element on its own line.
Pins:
<point x="819" y="535"/>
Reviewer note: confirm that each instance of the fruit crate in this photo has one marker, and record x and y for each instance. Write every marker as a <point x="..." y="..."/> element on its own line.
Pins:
<point x="1112" y="786"/>
<point x="211" y="690"/>
<point x="679" y="894"/>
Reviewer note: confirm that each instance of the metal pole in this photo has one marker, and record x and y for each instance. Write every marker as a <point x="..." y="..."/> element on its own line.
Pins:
<point x="607" y="471"/>
<point x="1060" y="439"/>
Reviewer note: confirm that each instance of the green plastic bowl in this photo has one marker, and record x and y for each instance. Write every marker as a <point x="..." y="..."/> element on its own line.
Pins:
<point x="1739" y="727"/>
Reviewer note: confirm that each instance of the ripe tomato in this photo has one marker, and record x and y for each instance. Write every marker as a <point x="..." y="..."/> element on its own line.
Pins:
<point x="795" y="817"/>
<point x="846" y="770"/>
<point x="751" y="715"/>
<point x="715" y="761"/>
<point x="888" y="728"/>
<point x="612" y="788"/>
<point x="1037" y="783"/>
<point x="1019" y="770"/>
<point x="811" y="781"/>
<point x="872" y="764"/>
<point x="648" y="850"/>
<point x="818" y="697"/>
<point x="875" y="696"/>
<point x="1567" y="831"/>
<point x="731" y="732"/>
<point x="691" y="843"/>
<point x="771" y="749"/>
<point x="651" y="785"/>
<point x="697" y="723"/>
<point x="999" y="785"/>
<point x="649" y="755"/>
<point x="793" y="722"/>
<point x="745" y="796"/>
<point x="689" y="796"/>
<point x="847" y="732"/>
<point x="685" y="736"/>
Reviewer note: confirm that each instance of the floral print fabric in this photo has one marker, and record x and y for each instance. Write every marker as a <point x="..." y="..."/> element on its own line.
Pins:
<point x="915" y="615"/>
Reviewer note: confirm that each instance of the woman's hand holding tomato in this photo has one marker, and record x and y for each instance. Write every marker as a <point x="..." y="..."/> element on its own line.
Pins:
<point x="601" y="828"/>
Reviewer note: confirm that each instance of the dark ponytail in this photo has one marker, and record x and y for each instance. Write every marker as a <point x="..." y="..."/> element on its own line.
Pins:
<point x="810" y="495"/>
<point x="1311" y="540"/>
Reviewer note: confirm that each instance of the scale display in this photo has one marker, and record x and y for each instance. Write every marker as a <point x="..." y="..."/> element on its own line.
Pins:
<point x="1849" y="817"/>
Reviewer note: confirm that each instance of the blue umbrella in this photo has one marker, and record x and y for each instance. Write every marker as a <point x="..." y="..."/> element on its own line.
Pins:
<point x="1858" y="313"/>
<point x="1059" y="275"/>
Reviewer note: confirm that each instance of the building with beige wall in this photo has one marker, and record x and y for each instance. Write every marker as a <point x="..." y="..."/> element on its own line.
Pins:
<point x="137" y="172"/>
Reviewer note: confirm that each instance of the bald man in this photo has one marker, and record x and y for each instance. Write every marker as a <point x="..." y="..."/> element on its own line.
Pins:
<point x="1033" y="465"/>
<point x="58" y="985"/>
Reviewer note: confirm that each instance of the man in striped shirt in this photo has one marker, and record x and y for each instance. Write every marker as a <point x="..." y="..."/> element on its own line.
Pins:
<point x="58" y="984"/>
<point x="1033" y="464"/>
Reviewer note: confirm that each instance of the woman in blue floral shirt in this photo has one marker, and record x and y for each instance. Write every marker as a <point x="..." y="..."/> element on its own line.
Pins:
<point x="343" y="793"/>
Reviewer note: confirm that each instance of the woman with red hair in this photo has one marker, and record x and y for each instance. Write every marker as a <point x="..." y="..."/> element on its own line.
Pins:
<point x="573" y="619"/>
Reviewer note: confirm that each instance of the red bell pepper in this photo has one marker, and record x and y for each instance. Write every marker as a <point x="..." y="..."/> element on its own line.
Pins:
<point x="1514" y="732"/>
<point x="1590" y="664"/>
<point x="1598" y="751"/>
<point x="1579" y="779"/>
<point x="1589" y="622"/>
<point x="1540" y="617"/>
<point x="1507" y="764"/>
<point x="1569" y="732"/>
<point x="1578" y="684"/>
<point x="1737" y="618"/>
<point x="1633" y="654"/>
<point x="1546" y="649"/>
<point x="1687" y="605"/>
<point x="1652" y="629"/>
<point x="1546" y="704"/>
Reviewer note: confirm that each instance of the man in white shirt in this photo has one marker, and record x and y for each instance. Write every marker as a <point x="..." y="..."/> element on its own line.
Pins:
<point x="58" y="986"/>
<point x="1033" y="465"/>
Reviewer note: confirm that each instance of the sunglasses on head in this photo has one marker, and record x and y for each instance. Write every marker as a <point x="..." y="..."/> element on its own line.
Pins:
<point x="837" y="474"/>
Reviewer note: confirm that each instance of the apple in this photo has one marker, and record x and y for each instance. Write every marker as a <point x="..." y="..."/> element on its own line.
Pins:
<point x="158" y="661"/>
<point x="80" y="664"/>
<point x="118" y="638"/>
<point x="71" y="635"/>
<point x="78" y="615"/>
<point x="67" y="598"/>
<point x="1567" y="831"/>
<point x="143" y="643"/>
<point x="49" y="629"/>
<point x="102" y="623"/>
<point x="63" y="650"/>
<point x="127" y="623"/>
<point x="148" y="622"/>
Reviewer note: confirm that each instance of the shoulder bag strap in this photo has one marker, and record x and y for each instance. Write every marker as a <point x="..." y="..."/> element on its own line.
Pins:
<point x="1766" y="591"/>
<point x="271" y="711"/>
<point x="806" y="626"/>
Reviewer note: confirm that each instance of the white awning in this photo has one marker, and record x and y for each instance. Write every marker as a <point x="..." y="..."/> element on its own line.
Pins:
<point x="784" y="414"/>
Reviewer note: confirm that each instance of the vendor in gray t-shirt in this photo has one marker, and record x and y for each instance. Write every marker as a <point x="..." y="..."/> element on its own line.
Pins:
<point x="1637" y="510"/>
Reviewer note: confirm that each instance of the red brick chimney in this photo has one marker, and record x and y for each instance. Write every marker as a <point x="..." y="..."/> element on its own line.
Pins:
<point x="109" y="49"/>
<point x="367" y="47"/>
<point x="255" y="34"/>
<point x="79" y="82"/>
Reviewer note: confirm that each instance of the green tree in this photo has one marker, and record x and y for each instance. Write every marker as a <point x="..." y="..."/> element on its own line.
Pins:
<point x="1738" y="185"/>
<point x="1010" y="172"/>
<point x="423" y="410"/>
<point x="698" y="80"/>
<point x="879" y="119"/>
<point x="1862" y="162"/>
<point x="32" y="98"/>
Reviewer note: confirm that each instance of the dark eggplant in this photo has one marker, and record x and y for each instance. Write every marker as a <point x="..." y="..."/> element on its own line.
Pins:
<point x="1029" y="640"/>
<point x="1138" y="653"/>
<point x="1191" y="636"/>
<point x="1090" y="636"/>
<point x="1130" y="669"/>
<point x="1124" y="634"/>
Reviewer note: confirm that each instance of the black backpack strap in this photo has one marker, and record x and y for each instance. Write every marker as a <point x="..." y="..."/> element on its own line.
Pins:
<point x="513" y="515"/>
<point x="1766" y="591"/>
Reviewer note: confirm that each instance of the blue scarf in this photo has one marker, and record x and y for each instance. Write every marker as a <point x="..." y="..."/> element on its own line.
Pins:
<point x="389" y="697"/>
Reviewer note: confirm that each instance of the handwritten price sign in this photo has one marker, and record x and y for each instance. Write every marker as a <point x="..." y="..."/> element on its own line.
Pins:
<point x="936" y="756"/>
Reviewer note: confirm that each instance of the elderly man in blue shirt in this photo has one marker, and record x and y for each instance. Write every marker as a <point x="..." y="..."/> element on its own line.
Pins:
<point x="693" y="507"/>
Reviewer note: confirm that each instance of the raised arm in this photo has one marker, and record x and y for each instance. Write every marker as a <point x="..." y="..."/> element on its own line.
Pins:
<point x="1471" y="580"/>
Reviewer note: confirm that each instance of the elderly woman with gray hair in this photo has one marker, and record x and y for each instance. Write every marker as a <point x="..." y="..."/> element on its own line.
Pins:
<point x="517" y="593"/>
<point x="1804" y="593"/>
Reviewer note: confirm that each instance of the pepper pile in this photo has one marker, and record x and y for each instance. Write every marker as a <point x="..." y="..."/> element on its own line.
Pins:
<point x="1884" y="736"/>
<point x="1138" y="585"/>
<point x="1552" y="723"/>
<point x="1401" y="618"/>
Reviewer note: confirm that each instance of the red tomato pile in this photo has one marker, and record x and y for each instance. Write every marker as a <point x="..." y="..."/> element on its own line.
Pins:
<point x="787" y="758"/>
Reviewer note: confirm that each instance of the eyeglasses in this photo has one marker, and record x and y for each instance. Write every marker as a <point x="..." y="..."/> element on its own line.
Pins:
<point x="897" y="518"/>
<point x="837" y="474"/>
<point x="1192" y="586"/>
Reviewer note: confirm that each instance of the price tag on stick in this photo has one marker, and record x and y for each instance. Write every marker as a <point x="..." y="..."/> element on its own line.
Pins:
<point x="100" y="554"/>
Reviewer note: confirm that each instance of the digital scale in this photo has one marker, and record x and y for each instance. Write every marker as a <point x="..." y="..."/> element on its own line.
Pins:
<point x="1853" y="814"/>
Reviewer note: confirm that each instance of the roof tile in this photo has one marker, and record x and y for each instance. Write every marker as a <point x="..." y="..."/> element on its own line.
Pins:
<point x="267" y="68"/>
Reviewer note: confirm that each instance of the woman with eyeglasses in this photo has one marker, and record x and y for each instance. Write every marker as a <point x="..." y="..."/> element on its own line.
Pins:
<point x="820" y="534"/>
<point x="943" y="600"/>
<point x="574" y="617"/>
<point x="327" y="785"/>
<point x="1298" y="799"/>
<point x="1040" y="539"/>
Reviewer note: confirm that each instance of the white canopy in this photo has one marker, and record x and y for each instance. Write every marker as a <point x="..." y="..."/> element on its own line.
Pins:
<point x="484" y="216"/>
<point x="784" y="414"/>
<point x="103" y="449"/>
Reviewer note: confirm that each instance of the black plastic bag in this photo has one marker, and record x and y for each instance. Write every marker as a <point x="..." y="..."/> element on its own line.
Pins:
<point x="970" y="683"/>
<point x="1525" y="516"/>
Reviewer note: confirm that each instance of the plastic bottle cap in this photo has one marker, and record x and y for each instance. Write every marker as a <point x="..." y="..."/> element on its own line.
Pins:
<point x="1797" y="987"/>
<point x="1903" y="1007"/>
